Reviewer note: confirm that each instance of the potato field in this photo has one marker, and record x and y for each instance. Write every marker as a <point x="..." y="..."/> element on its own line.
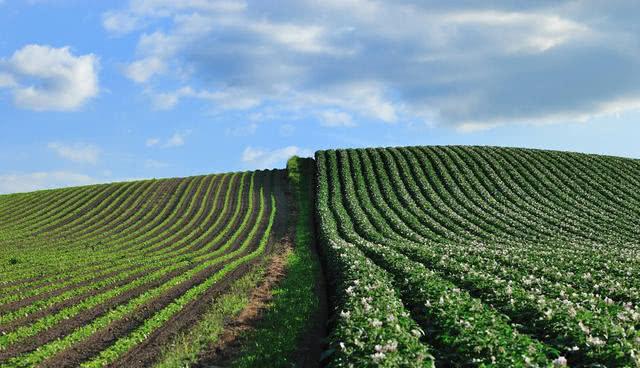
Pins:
<point x="468" y="256"/>
<point x="450" y="256"/>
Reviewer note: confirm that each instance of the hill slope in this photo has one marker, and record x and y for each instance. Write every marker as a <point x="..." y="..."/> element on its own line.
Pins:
<point x="105" y="274"/>
<point x="467" y="255"/>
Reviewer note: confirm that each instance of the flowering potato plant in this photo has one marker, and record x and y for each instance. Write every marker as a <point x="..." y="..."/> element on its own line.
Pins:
<point x="481" y="256"/>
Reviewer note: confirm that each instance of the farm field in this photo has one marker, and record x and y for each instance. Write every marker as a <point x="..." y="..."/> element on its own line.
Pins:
<point x="479" y="256"/>
<point x="105" y="275"/>
<point x="453" y="256"/>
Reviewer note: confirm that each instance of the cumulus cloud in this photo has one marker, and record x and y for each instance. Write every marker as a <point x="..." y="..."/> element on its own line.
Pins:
<point x="152" y="142"/>
<point x="259" y="158"/>
<point x="26" y="182"/>
<point x="44" y="78"/>
<point x="470" y="65"/>
<point x="140" y="71"/>
<point x="228" y="99"/>
<point x="177" y="139"/>
<point x="77" y="152"/>
<point x="119" y="23"/>
<point x="332" y="118"/>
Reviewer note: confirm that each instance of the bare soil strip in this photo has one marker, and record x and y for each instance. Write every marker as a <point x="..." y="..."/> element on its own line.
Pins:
<point x="230" y="343"/>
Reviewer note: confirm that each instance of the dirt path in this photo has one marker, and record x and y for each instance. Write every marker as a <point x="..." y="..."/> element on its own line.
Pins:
<point x="311" y="346"/>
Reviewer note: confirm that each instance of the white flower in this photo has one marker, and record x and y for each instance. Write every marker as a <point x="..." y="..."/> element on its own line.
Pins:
<point x="595" y="341"/>
<point x="560" y="362"/>
<point x="584" y="328"/>
<point x="377" y="357"/>
<point x="391" y="346"/>
<point x="345" y="314"/>
<point x="376" y="323"/>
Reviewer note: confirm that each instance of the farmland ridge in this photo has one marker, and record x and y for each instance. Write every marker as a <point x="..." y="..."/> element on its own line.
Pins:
<point x="454" y="256"/>
<point x="470" y="256"/>
<point x="97" y="275"/>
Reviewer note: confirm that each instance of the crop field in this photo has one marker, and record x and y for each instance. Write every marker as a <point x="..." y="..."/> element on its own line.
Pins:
<point x="476" y="256"/>
<point x="452" y="256"/>
<point x="104" y="275"/>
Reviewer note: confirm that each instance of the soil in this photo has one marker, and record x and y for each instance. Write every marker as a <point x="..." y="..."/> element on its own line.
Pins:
<point x="146" y="353"/>
<point x="99" y="341"/>
<point x="23" y="302"/>
<point x="230" y="344"/>
<point x="166" y="186"/>
<point x="67" y="326"/>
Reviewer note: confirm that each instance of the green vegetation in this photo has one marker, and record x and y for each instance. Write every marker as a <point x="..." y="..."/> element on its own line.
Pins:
<point x="503" y="257"/>
<point x="295" y="302"/>
<point x="185" y="350"/>
<point x="434" y="256"/>
<point x="123" y="260"/>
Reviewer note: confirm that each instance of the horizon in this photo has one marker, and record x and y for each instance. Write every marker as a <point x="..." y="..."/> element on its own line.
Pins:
<point x="105" y="92"/>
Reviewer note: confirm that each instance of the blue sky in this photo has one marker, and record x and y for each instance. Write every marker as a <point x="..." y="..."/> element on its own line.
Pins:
<point x="104" y="91"/>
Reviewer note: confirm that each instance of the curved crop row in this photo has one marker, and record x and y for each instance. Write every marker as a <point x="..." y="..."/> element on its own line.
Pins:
<point x="504" y="257"/>
<point x="114" y="264"/>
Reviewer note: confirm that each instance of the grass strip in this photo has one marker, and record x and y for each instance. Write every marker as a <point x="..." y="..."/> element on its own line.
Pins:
<point x="295" y="303"/>
<point x="185" y="349"/>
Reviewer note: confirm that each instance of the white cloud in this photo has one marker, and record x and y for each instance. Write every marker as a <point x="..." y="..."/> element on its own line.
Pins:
<point x="332" y="118"/>
<point x="520" y="32"/>
<point x="177" y="139"/>
<point x="300" y="38"/>
<point x="26" y="182"/>
<point x="120" y="23"/>
<point x="7" y="80"/>
<point x="258" y="158"/>
<point x="77" y="152"/>
<point x="44" y="78"/>
<point x="142" y="70"/>
<point x="152" y="142"/>
<point x="229" y="99"/>
<point x="464" y="64"/>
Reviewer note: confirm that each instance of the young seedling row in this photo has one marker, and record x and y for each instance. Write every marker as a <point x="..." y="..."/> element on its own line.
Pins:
<point x="433" y="256"/>
<point x="93" y="276"/>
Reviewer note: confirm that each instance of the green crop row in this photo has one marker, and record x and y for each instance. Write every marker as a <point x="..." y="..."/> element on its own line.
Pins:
<point x="504" y="256"/>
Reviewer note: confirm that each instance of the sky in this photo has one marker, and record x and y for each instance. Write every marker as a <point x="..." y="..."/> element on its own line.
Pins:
<point x="103" y="91"/>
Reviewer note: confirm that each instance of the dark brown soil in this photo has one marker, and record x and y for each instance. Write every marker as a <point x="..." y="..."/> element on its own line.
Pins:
<point x="230" y="344"/>
<point x="102" y="339"/>
<point x="30" y="318"/>
<point x="86" y="316"/>
<point x="146" y="353"/>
